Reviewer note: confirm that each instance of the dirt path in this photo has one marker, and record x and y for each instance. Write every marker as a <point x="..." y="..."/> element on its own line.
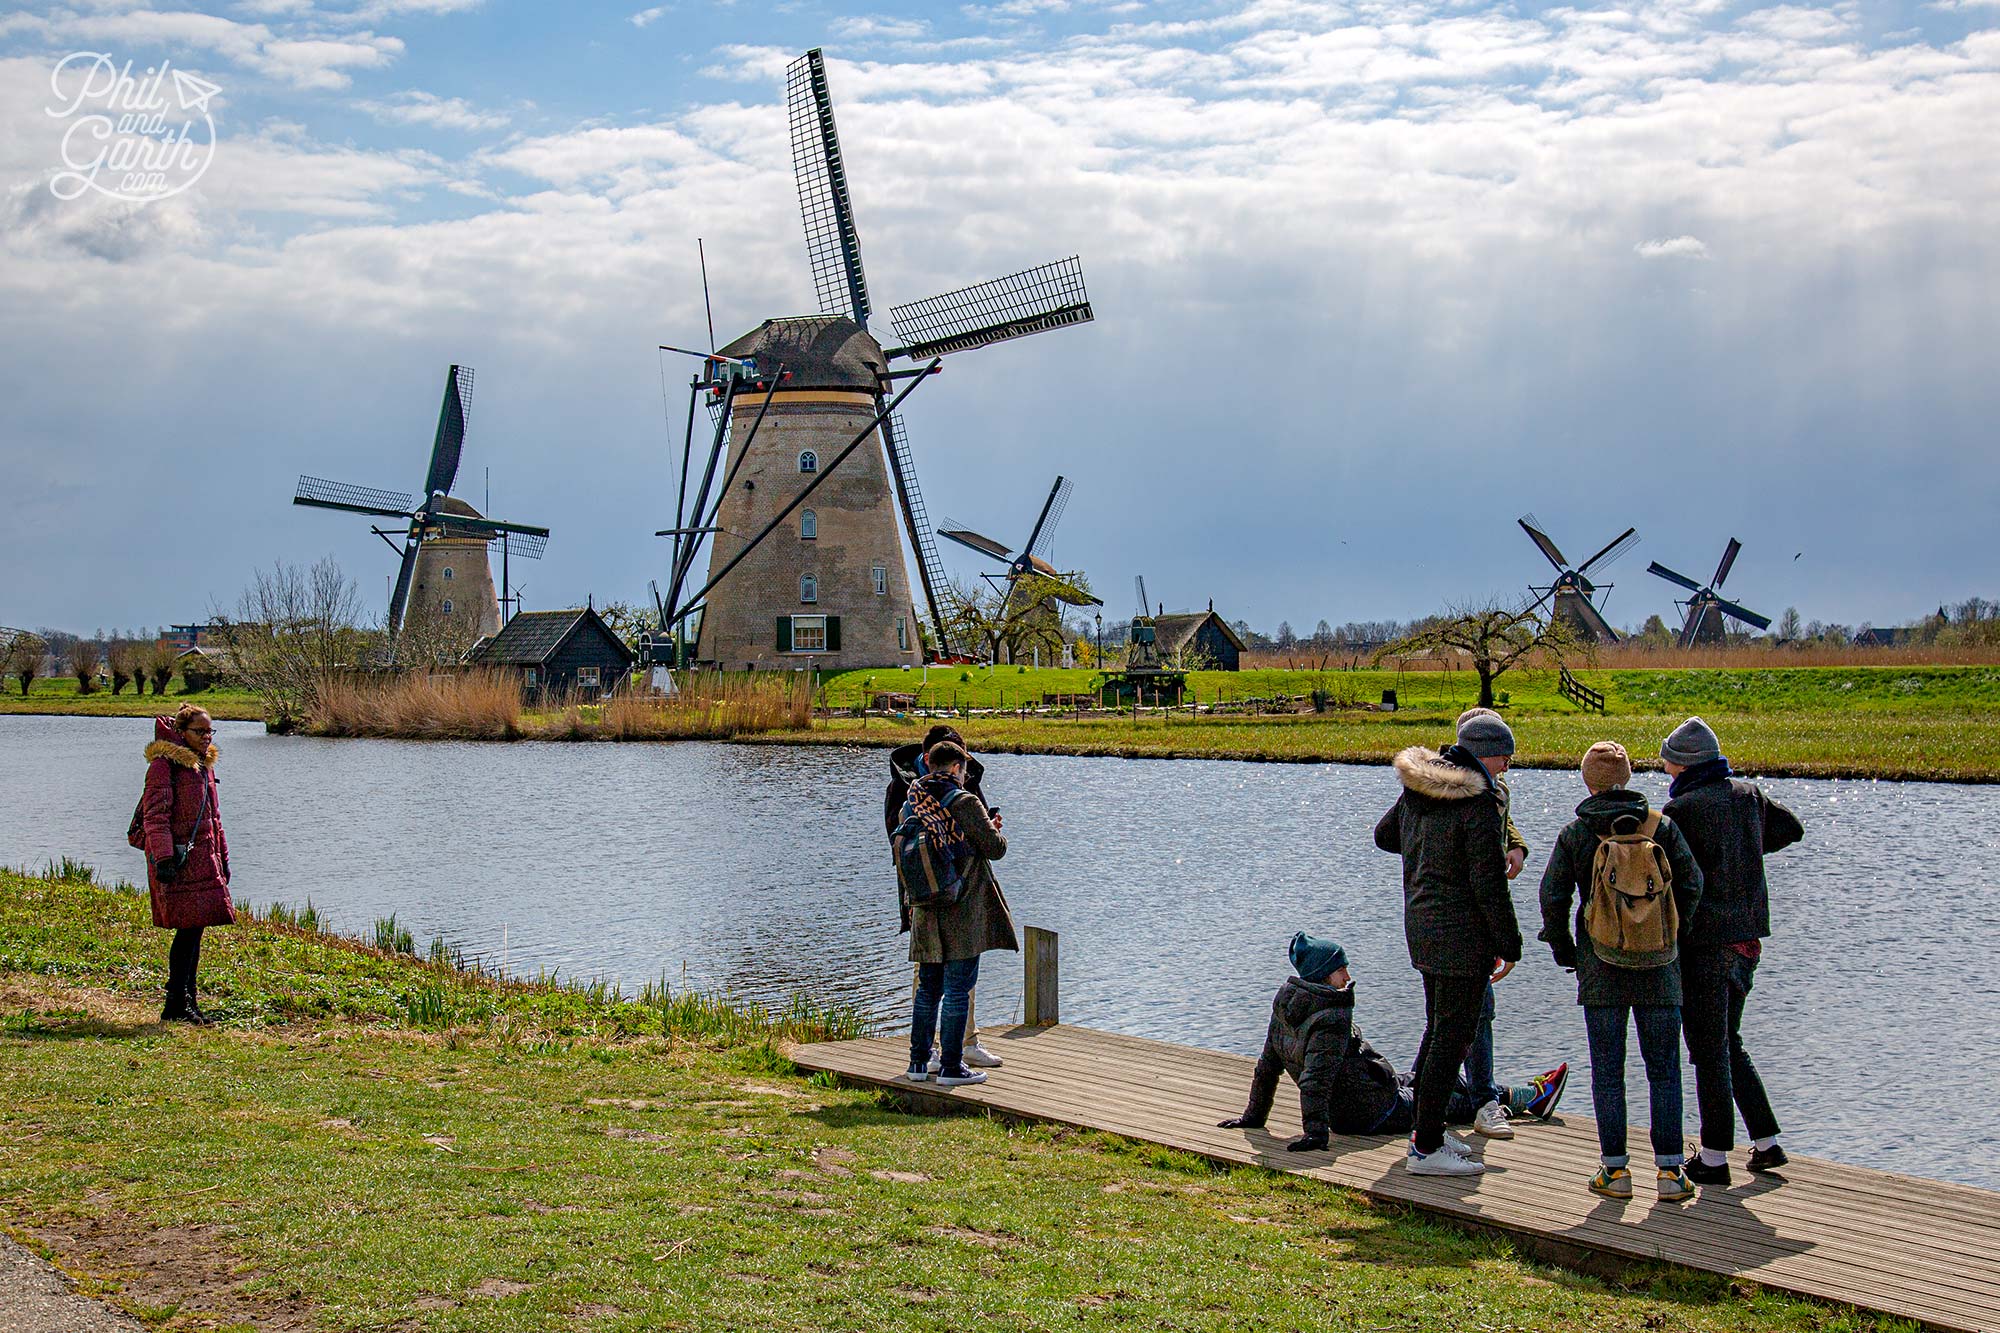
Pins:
<point x="35" y="1298"/>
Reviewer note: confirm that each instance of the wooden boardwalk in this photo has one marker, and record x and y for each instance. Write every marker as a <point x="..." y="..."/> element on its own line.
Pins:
<point x="1917" y="1249"/>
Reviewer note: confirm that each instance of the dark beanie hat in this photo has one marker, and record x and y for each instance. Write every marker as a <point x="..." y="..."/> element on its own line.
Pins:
<point x="1486" y="736"/>
<point x="1692" y="742"/>
<point x="1315" y="959"/>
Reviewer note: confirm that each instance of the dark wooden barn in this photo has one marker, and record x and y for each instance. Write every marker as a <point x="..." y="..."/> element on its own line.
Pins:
<point x="1201" y="641"/>
<point x="557" y="652"/>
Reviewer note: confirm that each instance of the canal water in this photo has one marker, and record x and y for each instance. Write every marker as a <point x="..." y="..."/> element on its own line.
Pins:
<point x="762" y="870"/>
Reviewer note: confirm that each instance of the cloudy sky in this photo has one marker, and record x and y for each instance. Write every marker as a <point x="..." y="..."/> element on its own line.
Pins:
<point x="1372" y="280"/>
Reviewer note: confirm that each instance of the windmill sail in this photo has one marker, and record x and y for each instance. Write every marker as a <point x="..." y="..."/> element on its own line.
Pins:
<point x="1533" y="527"/>
<point x="1728" y="562"/>
<point x="320" y="493"/>
<point x="832" y="246"/>
<point x="1659" y="570"/>
<point x="1051" y="296"/>
<point x="450" y="440"/>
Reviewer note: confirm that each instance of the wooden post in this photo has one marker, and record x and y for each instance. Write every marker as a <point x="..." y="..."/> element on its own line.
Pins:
<point x="1039" y="1004"/>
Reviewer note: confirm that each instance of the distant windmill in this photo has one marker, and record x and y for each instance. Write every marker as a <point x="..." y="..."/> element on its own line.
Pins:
<point x="797" y="397"/>
<point x="445" y="540"/>
<point x="1706" y="607"/>
<point x="1573" y="589"/>
<point x="1032" y="558"/>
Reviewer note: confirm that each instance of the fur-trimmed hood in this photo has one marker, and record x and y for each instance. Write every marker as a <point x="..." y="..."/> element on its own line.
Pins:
<point x="1442" y="777"/>
<point x="170" y="743"/>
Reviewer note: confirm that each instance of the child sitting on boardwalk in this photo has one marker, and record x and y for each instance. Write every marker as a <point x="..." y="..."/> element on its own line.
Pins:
<point x="1345" y="1087"/>
<point x="1628" y="929"/>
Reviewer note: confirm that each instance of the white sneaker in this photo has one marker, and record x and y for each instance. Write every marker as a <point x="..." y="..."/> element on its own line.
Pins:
<point x="1455" y="1144"/>
<point x="937" y="1061"/>
<point x="1491" y="1121"/>
<point x="1443" y="1162"/>
<point x="980" y="1058"/>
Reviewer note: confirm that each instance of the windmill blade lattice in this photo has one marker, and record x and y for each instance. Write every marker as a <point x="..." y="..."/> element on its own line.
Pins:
<point x="1533" y="527"/>
<point x="1619" y="545"/>
<point x="832" y="246"/>
<point x="1050" y="296"/>
<point x="323" y="494"/>
<point x="450" y="442"/>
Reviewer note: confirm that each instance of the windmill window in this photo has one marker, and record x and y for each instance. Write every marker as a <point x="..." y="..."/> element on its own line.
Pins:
<point x="808" y="461"/>
<point x="447" y="606"/>
<point x="808" y="526"/>
<point x="447" y="571"/>
<point x="902" y="634"/>
<point x="881" y="576"/>
<point x="808" y="634"/>
<point x="809" y="588"/>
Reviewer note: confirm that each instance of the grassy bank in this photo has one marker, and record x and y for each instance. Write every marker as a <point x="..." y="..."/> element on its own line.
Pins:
<point x="530" y="1157"/>
<point x="58" y="695"/>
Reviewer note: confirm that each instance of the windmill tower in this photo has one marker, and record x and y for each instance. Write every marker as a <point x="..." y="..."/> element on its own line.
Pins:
<point x="1706" y="607"/>
<point x="446" y="574"/>
<point x="1574" y="593"/>
<point x="829" y="581"/>
<point x="1032" y="559"/>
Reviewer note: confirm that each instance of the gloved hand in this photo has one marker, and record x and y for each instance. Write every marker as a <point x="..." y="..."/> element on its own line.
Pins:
<point x="163" y="870"/>
<point x="1238" y="1122"/>
<point x="1307" y="1143"/>
<point x="1565" y="956"/>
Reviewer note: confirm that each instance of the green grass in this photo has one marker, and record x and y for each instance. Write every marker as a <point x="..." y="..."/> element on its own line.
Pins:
<point x="369" y="1141"/>
<point x="57" y="694"/>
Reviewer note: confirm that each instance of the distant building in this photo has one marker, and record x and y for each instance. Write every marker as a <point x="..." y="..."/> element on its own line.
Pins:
<point x="1871" y="637"/>
<point x="556" y="652"/>
<point x="185" y="637"/>
<point x="1203" y="635"/>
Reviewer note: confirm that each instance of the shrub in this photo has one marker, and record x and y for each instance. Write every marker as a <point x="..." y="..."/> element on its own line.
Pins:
<point x="121" y="658"/>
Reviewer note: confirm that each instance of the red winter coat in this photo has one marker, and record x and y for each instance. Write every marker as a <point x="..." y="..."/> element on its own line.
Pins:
<point x="175" y="777"/>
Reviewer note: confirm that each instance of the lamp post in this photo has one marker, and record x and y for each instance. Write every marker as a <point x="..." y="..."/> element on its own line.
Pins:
<point x="1100" y="640"/>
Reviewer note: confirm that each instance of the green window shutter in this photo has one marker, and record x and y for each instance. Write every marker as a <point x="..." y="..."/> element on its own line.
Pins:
<point x="784" y="634"/>
<point x="833" y="634"/>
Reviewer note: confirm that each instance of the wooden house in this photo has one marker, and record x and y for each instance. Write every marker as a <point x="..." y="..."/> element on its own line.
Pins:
<point x="557" y="652"/>
<point x="1201" y="641"/>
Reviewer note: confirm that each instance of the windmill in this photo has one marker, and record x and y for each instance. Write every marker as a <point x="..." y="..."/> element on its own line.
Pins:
<point x="444" y="541"/>
<point x="1573" y="590"/>
<point x="795" y="398"/>
<point x="1033" y="555"/>
<point x="1705" y="606"/>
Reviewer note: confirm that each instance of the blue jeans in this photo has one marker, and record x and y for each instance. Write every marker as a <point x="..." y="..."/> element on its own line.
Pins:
<point x="1659" y="1045"/>
<point x="947" y="986"/>
<point x="1479" y="1059"/>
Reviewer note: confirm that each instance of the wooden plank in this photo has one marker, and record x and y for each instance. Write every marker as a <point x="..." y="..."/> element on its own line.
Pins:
<point x="1904" y="1246"/>
<point x="1040" y="996"/>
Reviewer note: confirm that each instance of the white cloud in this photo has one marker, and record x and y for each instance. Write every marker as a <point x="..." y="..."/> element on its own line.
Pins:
<point x="646" y="17"/>
<point x="304" y="61"/>
<point x="1672" y="247"/>
<point x="416" y="107"/>
<point x="866" y="27"/>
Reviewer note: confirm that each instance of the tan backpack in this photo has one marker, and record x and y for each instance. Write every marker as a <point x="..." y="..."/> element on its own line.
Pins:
<point x="1630" y="916"/>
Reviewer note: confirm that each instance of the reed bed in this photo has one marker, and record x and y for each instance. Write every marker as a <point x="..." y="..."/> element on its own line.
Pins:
<point x="458" y="706"/>
<point x="712" y="706"/>
<point x="487" y="705"/>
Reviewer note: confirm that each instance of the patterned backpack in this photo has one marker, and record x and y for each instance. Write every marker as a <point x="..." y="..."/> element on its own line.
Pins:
<point x="931" y="850"/>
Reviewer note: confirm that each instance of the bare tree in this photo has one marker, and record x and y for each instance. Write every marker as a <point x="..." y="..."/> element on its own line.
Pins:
<point x="1030" y="618"/>
<point x="21" y="656"/>
<point x="430" y="637"/>
<point x="121" y="657"/>
<point x="83" y="660"/>
<point x="1495" y="638"/>
<point x="295" y="631"/>
<point x="157" y="662"/>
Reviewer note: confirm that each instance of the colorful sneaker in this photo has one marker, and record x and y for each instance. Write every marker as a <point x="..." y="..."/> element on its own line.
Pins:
<point x="1768" y="1159"/>
<point x="1548" y="1090"/>
<point x="1613" y="1182"/>
<point x="960" y="1077"/>
<point x="1491" y="1122"/>
<point x="1701" y="1173"/>
<point x="980" y="1058"/>
<point x="1675" y="1187"/>
<point x="1443" y="1162"/>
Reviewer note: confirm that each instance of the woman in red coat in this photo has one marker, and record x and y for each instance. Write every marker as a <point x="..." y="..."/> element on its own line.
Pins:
<point x="187" y="856"/>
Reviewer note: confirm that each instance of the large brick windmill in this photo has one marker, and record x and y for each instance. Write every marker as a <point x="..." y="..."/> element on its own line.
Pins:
<point x="445" y="571"/>
<point x="805" y="565"/>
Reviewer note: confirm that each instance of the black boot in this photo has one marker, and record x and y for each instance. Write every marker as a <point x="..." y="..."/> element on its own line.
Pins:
<point x="177" y="1004"/>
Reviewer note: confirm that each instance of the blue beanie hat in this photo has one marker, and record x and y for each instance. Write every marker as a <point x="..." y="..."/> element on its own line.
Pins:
<point x="1315" y="959"/>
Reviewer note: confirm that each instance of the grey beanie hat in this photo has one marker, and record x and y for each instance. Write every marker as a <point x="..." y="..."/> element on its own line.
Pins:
<point x="1692" y="742"/>
<point x="1486" y="736"/>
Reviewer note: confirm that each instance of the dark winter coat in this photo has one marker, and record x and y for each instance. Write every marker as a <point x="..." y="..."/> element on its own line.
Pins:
<point x="1344" y="1086"/>
<point x="1730" y="825"/>
<point x="905" y="767"/>
<point x="1447" y="825"/>
<point x="979" y="920"/>
<point x="1566" y="881"/>
<point x="176" y="776"/>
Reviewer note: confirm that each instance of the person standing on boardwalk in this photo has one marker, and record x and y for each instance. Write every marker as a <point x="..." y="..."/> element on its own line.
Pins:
<point x="946" y="939"/>
<point x="906" y="765"/>
<point x="1497" y="1103"/>
<point x="1616" y="983"/>
<point x="1457" y="918"/>
<point x="179" y="827"/>
<point x="1731" y="825"/>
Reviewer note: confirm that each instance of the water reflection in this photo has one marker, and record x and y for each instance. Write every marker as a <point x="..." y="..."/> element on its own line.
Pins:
<point x="762" y="871"/>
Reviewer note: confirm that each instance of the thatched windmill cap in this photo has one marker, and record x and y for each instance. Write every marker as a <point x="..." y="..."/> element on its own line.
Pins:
<point x="819" y="351"/>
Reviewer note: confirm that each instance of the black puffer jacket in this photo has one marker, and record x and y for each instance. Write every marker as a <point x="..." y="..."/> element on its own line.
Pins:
<point x="1730" y="826"/>
<point x="1567" y="881"/>
<point x="1344" y="1086"/>
<point x="1457" y="917"/>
